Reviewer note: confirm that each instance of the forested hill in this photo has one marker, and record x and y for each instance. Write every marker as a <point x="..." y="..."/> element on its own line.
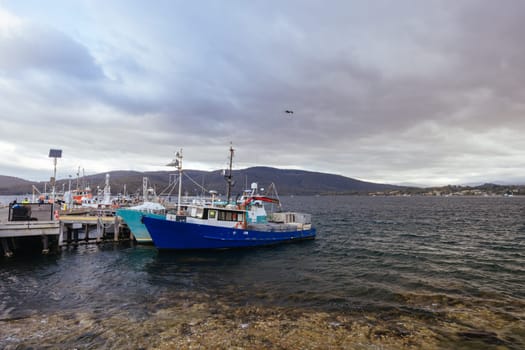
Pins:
<point x="297" y="182"/>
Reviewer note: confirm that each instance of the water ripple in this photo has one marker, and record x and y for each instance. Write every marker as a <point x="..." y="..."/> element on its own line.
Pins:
<point x="435" y="259"/>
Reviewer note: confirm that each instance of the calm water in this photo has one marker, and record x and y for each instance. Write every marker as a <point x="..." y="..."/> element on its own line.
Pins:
<point x="451" y="270"/>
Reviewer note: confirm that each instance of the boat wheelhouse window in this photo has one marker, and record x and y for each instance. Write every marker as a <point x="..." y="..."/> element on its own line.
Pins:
<point x="197" y="212"/>
<point x="212" y="214"/>
<point x="227" y="216"/>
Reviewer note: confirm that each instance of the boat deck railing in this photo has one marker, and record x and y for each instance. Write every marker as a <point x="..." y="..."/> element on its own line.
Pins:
<point x="279" y="227"/>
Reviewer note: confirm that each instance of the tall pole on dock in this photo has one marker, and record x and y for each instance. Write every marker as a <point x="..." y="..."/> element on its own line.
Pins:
<point x="54" y="153"/>
<point x="53" y="181"/>
<point x="70" y="195"/>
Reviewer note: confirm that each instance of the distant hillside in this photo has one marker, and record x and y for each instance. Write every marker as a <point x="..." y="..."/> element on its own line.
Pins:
<point x="306" y="182"/>
<point x="7" y="183"/>
<point x="288" y="182"/>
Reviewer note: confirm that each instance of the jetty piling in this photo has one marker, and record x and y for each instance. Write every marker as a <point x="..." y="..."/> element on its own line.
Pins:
<point x="45" y="244"/>
<point x="5" y="248"/>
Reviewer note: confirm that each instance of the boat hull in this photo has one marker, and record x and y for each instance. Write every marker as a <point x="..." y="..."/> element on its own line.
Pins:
<point x="179" y="235"/>
<point x="133" y="218"/>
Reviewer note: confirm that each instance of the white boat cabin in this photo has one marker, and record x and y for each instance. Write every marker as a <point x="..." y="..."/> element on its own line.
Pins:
<point x="215" y="216"/>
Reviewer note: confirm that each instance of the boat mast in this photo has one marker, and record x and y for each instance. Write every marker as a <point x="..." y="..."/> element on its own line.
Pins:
<point x="144" y="189"/>
<point x="78" y="179"/>
<point x="177" y="163"/>
<point x="229" y="176"/>
<point x="179" y="167"/>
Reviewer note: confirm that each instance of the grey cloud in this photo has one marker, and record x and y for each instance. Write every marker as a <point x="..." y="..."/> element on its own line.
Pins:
<point x="36" y="48"/>
<point x="251" y="68"/>
<point x="378" y="89"/>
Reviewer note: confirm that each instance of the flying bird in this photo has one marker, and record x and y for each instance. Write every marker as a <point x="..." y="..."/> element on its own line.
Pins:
<point x="288" y="111"/>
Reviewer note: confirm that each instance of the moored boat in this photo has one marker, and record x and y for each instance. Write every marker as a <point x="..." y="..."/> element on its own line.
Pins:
<point x="221" y="228"/>
<point x="79" y="196"/>
<point x="234" y="225"/>
<point x="132" y="216"/>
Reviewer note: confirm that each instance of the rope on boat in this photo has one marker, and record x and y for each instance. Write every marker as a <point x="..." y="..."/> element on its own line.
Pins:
<point x="197" y="184"/>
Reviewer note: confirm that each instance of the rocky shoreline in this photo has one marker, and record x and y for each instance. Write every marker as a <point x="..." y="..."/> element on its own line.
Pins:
<point x="199" y="322"/>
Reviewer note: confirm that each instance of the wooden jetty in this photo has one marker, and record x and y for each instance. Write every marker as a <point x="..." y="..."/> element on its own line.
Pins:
<point x="57" y="230"/>
<point x="70" y="225"/>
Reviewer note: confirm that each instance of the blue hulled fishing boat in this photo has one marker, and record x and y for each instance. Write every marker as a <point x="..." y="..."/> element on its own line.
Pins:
<point x="213" y="225"/>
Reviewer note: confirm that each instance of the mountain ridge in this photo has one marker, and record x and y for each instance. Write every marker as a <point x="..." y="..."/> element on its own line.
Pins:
<point x="287" y="181"/>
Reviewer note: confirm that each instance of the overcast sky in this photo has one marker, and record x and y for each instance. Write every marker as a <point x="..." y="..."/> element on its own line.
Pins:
<point x="423" y="92"/>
